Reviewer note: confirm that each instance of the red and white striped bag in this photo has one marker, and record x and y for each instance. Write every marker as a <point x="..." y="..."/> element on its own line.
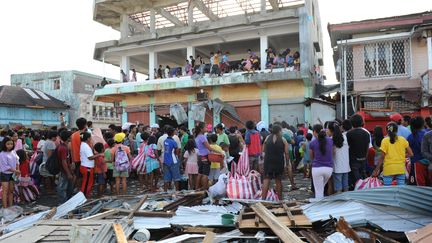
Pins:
<point x="243" y="163"/>
<point x="138" y="163"/>
<point x="255" y="181"/>
<point x="239" y="187"/>
<point x="271" y="196"/>
<point x="370" y="182"/>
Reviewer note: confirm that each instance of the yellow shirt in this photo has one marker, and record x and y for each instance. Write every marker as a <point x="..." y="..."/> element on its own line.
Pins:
<point x="218" y="149"/>
<point x="394" y="160"/>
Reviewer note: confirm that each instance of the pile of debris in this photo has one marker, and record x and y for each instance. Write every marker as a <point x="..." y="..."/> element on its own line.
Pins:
<point x="387" y="214"/>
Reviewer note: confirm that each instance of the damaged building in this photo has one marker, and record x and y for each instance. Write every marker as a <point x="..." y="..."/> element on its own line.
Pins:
<point x="385" y="65"/>
<point x="167" y="33"/>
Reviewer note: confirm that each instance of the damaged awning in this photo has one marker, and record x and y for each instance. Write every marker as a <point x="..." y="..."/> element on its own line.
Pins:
<point x="230" y="109"/>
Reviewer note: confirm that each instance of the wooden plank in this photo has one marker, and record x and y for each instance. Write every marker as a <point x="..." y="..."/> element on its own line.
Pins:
<point x="277" y="211"/>
<point x="311" y="236"/>
<point x="257" y="220"/>
<point x="290" y="216"/>
<point x="301" y="222"/>
<point x="344" y="227"/>
<point x="137" y="207"/>
<point x="102" y="215"/>
<point x="284" y="233"/>
<point x="143" y="213"/>
<point x="209" y="237"/>
<point x="119" y="233"/>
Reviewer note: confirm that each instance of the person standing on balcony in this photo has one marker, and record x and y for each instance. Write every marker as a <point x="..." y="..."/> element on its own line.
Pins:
<point x="124" y="76"/>
<point x="213" y="64"/>
<point x="201" y="65"/>
<point x="167" y="72"/>
<point x="225" y="67"/>
<point x="134" y="76"/>
<point x="188" y="68"/>
<point x="402" y="130"/>
<point x="159" y="72"/>
<point x="192" y="62"/>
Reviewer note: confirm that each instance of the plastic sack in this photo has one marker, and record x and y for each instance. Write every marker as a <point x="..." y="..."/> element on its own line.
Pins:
<point x="239" y="187"/>
<point x="11" y="213"/>
<point x="138" y="163"/>
<point x="243" y="163"/>
<point x="271" y="195"/>
<point x="338" y="237"/>
<point x="370" y="182"/>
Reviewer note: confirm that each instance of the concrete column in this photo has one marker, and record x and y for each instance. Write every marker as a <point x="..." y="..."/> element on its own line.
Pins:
<point x="152" y="112"/>
<point x="263" y="54"/>
<point x="124" y="26"/>
<point x="263" y="7"/>
<point x="429" y="44"/>
<point x="124" y="114"/>
<point x="125" y="66"/>
<point x="153" y="22"/>
<point x="190" y="52"/>
<point x="216" y="117"/>
<point x="190" y="14"/>
<point x="152" y="64"/>
<point x="265" y="114"/>
<point x="191" y="121"/>
<point x="305" y="40"/>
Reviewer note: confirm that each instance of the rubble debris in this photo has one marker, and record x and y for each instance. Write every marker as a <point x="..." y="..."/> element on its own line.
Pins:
<point x="343" y="227"/>
<point x="338" y="237"/>
<point x="284" y="233"/>
<point x="311" y="236"/>
<point x="142" y="235"/>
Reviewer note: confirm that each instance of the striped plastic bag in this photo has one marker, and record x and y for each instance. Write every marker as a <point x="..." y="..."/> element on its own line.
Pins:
<point x="255" y="181"/>
<point x="271" y="195"/>
<point x="239" y="187"/>
<point x="138" y="163"/>
<point x="243" y="163"/>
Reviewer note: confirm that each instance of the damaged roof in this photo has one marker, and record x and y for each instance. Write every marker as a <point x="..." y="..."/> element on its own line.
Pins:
<point x="29" y="98"/>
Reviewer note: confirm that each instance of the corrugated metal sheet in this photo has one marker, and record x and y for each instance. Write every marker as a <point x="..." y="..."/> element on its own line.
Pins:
<point x="398" y="209"/>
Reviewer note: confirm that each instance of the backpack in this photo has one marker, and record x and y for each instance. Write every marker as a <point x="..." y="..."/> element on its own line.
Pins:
<point x="53" y="163"/>
<point x="121" y="160"/>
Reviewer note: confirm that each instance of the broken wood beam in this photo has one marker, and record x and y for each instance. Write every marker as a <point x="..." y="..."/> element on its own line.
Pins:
<point x="289" y="214"/>
<point x="283" y="232"/>
<point x="122" y="211"/>
<point x="102" y="215"/>
<point x="137" y="207"/>
<point x="119" y="233"/>
<point x="343" y="227"/>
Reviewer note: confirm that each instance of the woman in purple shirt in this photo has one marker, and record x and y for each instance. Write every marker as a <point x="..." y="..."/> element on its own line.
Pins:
<point x="8" y="166"/>
<point x="321" y="155"/>
<point x="203" y="151"/>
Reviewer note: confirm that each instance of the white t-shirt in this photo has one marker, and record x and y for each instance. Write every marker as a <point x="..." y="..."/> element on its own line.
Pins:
<point x="191" y="158"/>
<point x="341" y="157"/>
<point x="85" y="153"/>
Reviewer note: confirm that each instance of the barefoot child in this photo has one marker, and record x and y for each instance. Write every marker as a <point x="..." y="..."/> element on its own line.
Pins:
<point x="27" y="191"/>
<point x="109" y="164"/>
<point x="8" y="166"/>
<point x="153" y="163"/>
<point x="191" y="161"/>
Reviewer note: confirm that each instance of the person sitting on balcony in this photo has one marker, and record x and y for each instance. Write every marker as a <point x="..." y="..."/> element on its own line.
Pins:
<point x="167" y="72"/>
<point x="124" y="76"/>
<point x="104" y="82"/>
<point x="254" y="59"/>
<point x="134" y="76"/>
<point x="270" y="58"/>
<point x="159" y="72"/>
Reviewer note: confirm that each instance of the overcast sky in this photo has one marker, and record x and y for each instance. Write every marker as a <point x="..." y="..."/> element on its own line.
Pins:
<point x="54" y="35"/>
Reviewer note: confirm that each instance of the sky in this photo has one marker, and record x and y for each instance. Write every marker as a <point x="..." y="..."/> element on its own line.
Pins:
<point x="55" y="35"/>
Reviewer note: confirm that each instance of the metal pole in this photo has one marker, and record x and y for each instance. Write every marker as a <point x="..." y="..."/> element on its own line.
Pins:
<point x="341" y="86"/>
<point x="345" y="84"/>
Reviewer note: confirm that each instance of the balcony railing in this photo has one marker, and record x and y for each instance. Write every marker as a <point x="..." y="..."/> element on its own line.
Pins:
<point x="106" y="119"/>
<point x="377" y="60"/>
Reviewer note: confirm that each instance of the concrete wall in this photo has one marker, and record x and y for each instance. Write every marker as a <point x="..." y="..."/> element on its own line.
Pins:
<point x="29" y="117"/>
<point x="323" y="112"/>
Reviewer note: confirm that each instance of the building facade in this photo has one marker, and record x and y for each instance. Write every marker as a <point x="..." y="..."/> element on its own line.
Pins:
<point x="30" y="107"/>
<point x="386" y="63"/>
<point x="168" y="32"/>
<point x="76" y="89"/>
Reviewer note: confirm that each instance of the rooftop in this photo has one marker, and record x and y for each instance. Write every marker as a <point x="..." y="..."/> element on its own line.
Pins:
<point x="29" y="98"/>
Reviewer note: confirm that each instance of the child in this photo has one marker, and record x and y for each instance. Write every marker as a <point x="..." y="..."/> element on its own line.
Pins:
<point x="122" y="157"/>
<point x="225" y="148"/>
<point x="394" y="150"/>
<point x="27" y="190"/>
<point x="8" y="166"/>
<point x="109" y="164"/>
<point x="191" y="161"/>
<point x="152" y="161"/>
<point x="215" y="166"/>
<point x="171" y="163"/>
<point x="141" y="170"/>
<point x="306" y="156"/>
<point x="100" y="169"/>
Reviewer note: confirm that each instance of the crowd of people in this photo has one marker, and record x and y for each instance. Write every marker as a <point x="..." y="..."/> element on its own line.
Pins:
<point x="335" y="155"/>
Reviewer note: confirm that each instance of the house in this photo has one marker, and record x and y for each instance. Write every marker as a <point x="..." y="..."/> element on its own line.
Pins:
<point x="167" y="33"/>
<point x="76" y="89"/>
<point x="386" y="64"/>
<point x="30" y="107"/>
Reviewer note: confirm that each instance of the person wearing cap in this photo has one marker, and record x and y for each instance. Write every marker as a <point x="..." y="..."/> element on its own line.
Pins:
<point x="118" y="139"/>
<point x="402" y="130"/>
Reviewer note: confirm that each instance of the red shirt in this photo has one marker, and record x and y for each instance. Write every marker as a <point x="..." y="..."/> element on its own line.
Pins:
<point x="75" y="146"/>
<point x="24" y="167"/>
<point x="63" y="154"/>
<point x="35" y="144"/>
<point x="100" y="165"/>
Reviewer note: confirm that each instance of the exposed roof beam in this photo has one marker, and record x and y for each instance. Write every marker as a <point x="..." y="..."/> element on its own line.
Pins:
<point x="173" y="19"/>
<point x="274" y="4"/>
<point x="138" y="27"/>
<point x="205" y="10"/>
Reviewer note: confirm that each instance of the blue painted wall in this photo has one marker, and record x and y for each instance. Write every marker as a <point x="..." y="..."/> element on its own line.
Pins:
<point x="27" y="116"/>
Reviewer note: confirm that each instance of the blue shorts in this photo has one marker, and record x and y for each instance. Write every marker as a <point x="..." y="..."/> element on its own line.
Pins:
<point x="100" y="180"/>
<point x="340" y="181"/>
<point x="400" y="179"/>
<point x="171" y="172"/>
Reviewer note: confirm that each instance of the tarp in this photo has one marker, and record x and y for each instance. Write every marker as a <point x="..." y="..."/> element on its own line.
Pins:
<point x="178" y="112"/>
<point x="198" y="112"/>
<point x="226" y="107"/>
